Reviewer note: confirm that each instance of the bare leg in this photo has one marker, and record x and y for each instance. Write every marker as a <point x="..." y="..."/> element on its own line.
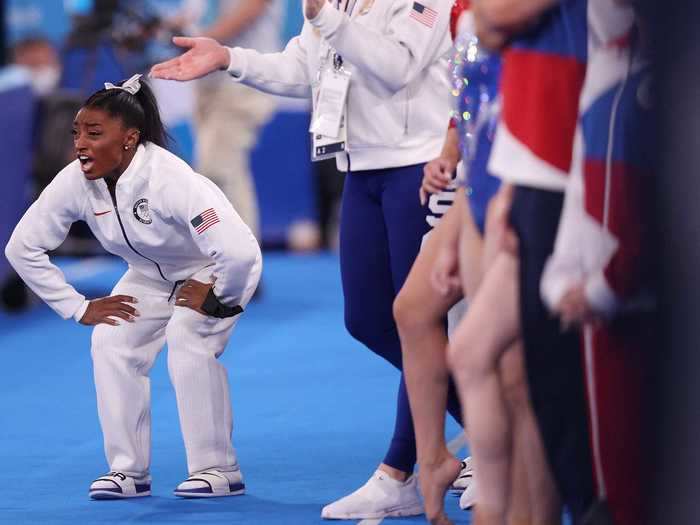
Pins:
<point x="515" y="392"/>
<point x="533" y="494"/>
<point x="490" y="327"/>
<point x="419" y="312"/>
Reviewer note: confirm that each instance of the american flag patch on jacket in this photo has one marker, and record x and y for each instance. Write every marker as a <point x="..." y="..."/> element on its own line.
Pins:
<point x="424" y="14"/>
<point x="205" y="220"/>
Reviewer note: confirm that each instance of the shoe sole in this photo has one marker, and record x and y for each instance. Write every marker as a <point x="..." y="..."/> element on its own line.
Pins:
<point x="107" y="494"/>
<point x="396" y="513"/>
<point x="237" y="489"/>
<point x="195" y="495"/>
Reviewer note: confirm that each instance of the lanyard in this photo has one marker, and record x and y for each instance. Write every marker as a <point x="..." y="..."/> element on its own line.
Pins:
<point x="349" y="8"/>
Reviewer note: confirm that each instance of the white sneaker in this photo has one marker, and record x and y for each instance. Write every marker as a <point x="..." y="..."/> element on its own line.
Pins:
<point x="465" y="478"/>
<point x="212" y="483"/>
<point x="468" y="498"/>
<point x="116" y="485"/>
<point x="381" y="497"/>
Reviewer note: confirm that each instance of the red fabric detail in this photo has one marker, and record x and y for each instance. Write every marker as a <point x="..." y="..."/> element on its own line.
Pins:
<point x="621" y="42"/>
<point x="540" y="94"/>
<point x="626" y="220"/>
<point x="621" y="354"/>
<point x="457" y="9"/>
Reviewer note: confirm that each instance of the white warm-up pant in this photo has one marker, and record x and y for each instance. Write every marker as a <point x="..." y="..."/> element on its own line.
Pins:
<point x="123" y="356"/>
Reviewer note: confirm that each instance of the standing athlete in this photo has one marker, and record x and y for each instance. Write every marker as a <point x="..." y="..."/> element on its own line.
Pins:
<point x="193" y="266"/>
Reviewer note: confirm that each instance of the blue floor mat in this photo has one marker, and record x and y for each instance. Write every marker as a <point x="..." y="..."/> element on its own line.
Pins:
<point x="313" y="410"/>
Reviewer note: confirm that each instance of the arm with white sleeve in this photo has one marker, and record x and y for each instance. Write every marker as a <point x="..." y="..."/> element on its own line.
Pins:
<point x="43" y="228"/>
<point x="284" y="73"/>
<point x="220" y="234"/>
<point x="412" y="41"/>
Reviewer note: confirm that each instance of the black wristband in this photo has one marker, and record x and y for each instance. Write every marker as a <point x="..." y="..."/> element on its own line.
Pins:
<point x="212" y="306"/>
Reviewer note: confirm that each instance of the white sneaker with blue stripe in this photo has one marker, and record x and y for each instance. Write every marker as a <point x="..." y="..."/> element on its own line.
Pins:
<point x="212" y="483"/>
<point x="117" y="485"/>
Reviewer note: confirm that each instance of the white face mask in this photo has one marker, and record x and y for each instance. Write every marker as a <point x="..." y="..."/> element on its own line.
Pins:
<point x="45" y="79"/>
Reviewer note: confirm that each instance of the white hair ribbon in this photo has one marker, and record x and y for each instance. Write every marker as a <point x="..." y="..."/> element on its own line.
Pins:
<point x="130" y="86"/>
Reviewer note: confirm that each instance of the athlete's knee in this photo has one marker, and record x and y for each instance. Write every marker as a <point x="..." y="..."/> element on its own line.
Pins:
<point x="407" y="313"/>
<point x="514" y="382"/>
<point x="470" y="356"/>
<point x="192" y="336"/>
<point x="458" y="361"/>
<point x="415" y="314"/>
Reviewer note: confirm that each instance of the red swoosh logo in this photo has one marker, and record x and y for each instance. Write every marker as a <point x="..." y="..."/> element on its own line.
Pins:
<point x="98" y="213"/>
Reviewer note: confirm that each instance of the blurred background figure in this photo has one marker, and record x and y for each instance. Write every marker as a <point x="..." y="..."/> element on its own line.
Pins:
<point x="39" y="56"/>
<point x="228" y="116"/>
<point x="55" y="108"/>
<point x="89" y="55"/>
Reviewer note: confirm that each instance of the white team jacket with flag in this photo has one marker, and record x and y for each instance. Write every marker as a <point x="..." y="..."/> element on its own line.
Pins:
<point x="398" y="101"/>
<point x="167" y="223"/>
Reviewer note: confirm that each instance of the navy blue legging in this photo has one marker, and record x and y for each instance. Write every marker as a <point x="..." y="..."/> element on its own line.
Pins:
<point x="381" y="227"/>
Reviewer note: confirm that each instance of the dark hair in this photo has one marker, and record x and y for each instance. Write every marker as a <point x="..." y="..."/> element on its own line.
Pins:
<point x="138" y="111"/>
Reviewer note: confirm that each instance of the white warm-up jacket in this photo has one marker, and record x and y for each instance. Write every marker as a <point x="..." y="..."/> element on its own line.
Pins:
<point x="398" y="101"/>
<point x="167" y="223"/>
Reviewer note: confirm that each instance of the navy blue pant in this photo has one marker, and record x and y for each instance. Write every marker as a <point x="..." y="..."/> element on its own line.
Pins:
<point x="381" y="227"/>
<point x="553" y="358"/>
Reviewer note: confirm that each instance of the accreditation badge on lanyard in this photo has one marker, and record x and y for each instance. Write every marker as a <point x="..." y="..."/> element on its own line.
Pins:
<point x="329" y="121"/>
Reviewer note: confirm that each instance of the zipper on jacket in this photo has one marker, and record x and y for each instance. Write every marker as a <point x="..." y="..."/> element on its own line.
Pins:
<point x="405" y="122"/>
<point x="121" y="225"/>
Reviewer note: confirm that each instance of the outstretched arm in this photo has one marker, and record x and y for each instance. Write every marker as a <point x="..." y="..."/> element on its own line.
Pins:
<point x="282" y="73"/>
<point x="203" y="56"/>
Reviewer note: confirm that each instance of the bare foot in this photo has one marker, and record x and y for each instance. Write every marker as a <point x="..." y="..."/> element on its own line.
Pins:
<point x="442" y="519"/>
<point x="434" y="479"/>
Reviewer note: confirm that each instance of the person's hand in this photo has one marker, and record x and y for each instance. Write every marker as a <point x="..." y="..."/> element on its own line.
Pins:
<point x="204" y="56"/>
<point x="101" y="311"/>
<point x="312" y="8"/>
<point x="437" y="175"/>
<point x="489" y="37"/>
<point x="574" y="308"/>
<point x="192" y="295"/>
<point x="444" y="276"/>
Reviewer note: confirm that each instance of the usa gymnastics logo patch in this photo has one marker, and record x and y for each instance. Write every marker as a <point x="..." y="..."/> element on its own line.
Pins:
<point x="141" y="211"/>
<point x="205" y="220"/>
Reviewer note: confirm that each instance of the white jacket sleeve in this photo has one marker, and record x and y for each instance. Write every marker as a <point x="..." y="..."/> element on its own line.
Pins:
<point x="582" y="247"/>
<point x="219" y="233"/>
<point x="565" y="268"/>
<point x="398" y="56"/>
<point x="43" y="228"/>
<point x="284" y="73"/>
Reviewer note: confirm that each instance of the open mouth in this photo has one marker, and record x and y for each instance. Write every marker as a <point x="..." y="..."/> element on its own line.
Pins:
<point x="86" y="163"/>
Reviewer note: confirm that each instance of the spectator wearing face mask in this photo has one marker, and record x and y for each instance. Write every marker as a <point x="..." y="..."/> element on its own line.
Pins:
<point x="54" y="111"/>
<point x="40" y="58"/>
